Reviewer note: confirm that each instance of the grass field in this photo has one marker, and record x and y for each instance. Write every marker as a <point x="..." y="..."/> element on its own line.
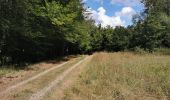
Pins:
<point x="104" y="76"/>
<point x="123" y="76"/>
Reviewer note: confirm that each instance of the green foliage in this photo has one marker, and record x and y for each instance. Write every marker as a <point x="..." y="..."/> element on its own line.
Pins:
<point x="33" y="30"/>
<point x="162" y="51"/>
<point x="110" y="39"/>
<point x="81" y="37"/>
<point x="157" y="21"/>
<point x="97" y="38"/>
<point x="151" y="28"/>
<point x="139" y="50"/>
<point x="121" y="38"/>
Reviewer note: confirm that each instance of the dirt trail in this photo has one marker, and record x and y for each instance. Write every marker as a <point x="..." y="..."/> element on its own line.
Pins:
<point x="30" y="79"/>
<point x="40" y="94"/>
<point x="59" y="91"/>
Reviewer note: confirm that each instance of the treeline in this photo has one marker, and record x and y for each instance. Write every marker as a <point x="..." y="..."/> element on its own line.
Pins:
<point x="35" y="30"/>
<point x="150" y="30"/>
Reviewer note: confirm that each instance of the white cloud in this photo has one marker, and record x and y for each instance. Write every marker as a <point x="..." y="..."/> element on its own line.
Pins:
<point x="121" y="18"/>
<point x="127" y="12"/>
<point x="100" y="17"/>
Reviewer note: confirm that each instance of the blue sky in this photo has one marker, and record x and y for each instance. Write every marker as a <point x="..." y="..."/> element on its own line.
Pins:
<point x="113" y="12"/>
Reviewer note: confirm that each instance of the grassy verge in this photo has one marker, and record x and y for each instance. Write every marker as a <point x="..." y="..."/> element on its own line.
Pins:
<point x="122" y="76"/>
<point x="4" y="70"/>
<point x="11" y="69"/>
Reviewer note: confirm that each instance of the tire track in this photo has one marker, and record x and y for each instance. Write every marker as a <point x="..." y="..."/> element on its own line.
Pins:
<point x="30" y="79"/>
<point x="39" y="95"/>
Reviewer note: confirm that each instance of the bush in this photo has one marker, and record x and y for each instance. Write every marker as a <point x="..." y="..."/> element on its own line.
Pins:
<point x="162" y="51"/>
<point x="140" y="50"/>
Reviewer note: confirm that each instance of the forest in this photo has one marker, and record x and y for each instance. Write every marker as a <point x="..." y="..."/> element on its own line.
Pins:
<point x="36" y="30"/>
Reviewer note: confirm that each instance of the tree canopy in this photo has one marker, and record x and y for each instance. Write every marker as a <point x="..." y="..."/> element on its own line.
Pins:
<point x="34" y="30"/>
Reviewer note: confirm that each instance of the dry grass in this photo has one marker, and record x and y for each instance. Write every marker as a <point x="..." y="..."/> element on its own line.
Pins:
<point x="10" y="75"/>
<point x="123" y="76"/>
<point x="40" y="66"/>
<point x="57" y="93"/>
<point x="4" y="71"/>
<point x="24" y="92"/>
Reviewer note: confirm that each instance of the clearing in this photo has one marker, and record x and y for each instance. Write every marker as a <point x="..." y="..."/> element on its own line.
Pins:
<point x="102" y="76"/>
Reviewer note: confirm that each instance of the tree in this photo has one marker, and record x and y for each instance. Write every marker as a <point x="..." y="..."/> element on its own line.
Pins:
<point x="151" y="30"/>
<point x="120" y="38"/>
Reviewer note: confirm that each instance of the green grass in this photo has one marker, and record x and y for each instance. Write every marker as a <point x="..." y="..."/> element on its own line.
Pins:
<point x="162" y="51"/>
<point x="122" y="76"/>
<point x="7" y="70"/>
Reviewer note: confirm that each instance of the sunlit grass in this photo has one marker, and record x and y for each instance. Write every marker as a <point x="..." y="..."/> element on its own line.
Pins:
<point x="17" y="68"/>
<point x="24" y="92"/>
<point x="7" y="70"/>
<point x="123" y="76"/>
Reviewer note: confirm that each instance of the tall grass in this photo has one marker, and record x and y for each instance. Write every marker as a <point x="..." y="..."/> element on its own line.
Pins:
<point x="16" y="68"/>
<point x="123" y="76"/>
<point x="7" y="70"/>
